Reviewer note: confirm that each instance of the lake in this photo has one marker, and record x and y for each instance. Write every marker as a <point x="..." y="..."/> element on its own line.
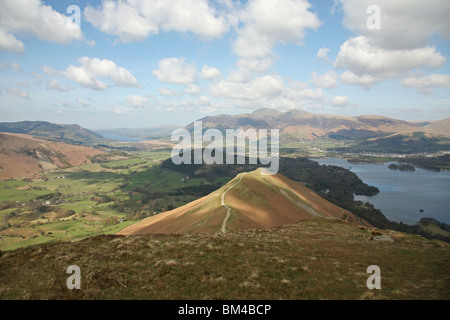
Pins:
<point x="120" y="138"/>
<point x="403" y="193"/>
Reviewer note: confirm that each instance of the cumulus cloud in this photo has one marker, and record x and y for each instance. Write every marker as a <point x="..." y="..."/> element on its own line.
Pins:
<point x="174" y="70"/>
<point x="322" y="54"/>
<point x="34" y="18"/>
<point x="365" y="80"/>
<point x="267" y="91"/>
<point x="135" y="20"/>
<point x="192" y="89"/>
<point x="432" y="80"/>
<point x="91" y="69"/>
<point x="327" y="80"/>
<point x="401" y="45"/>
<point x="267" y="22"/>
<point x="405" y="24"/>
<point x="210" y="72"/>
<point x="340" y="101"/>
<point x="8" y="42"/>
<point x="260" y="87"/>
<point x="363" y="60"/>
<point x="426" y="84"/>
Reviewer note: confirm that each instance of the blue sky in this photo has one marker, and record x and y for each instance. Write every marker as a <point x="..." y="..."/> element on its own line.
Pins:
<point x="136" y="63"/>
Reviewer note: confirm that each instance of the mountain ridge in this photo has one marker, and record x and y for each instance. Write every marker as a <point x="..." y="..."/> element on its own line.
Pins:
<point x="250" y="200"/>
<point x="69" y="133"/>
<point x="309" y="126"/>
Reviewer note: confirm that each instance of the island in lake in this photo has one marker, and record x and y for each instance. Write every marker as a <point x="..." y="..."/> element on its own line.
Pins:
<point x="402" y="167"/>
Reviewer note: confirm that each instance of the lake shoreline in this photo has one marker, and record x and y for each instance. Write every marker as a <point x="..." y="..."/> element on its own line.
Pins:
<point x="403" y="194"/>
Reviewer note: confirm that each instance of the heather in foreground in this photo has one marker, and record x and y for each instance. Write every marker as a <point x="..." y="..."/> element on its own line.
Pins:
<point x="313" y="259"/>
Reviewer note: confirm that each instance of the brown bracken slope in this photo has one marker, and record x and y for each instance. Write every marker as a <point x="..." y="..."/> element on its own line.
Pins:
<point x="22" y="155"/>
<point x="249" y="201"/>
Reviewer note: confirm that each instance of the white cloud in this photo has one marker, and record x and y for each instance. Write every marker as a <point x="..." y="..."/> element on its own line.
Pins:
<point x="267" y="22"/>
<point x="268" y="91"/>
<point x="34" y="18"/>
<point x="260" y="87"/>
<point x="340" y="101"/>
<point x="92" y="68"/>
<point x="365" y="80"/>
<point x="426" y="84"/>
<point x="8" y="42"/>
<point x="210" y="72"/>
<point x="203" y="100"/>
<point x="135" y="20"/>
<point x="327" y="80"/>
<point x="322" y="54"/>
<point x="19" y="93"/>
<point x="405" y="24"/>
<point x="174" y="70"/>
<point x="192" y="89"/>
<point x="90" y="43"/>
<point x="49" y="70"/>
<point x="432" y="80"/>
<point x="65" y="104"/>
<point x="305" y="94"/>
<point x="297" y="85"/>
<point x="250" y="66"/>
<point x="401" y="45"/>
<point x="137" y="101"/>
<point x="167" y="92"/>
<point x="363" y="60"/>
<point x="55" y="85"/>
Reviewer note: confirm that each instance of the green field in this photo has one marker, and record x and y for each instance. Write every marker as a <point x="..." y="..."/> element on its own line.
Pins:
<point x="92" y="199"/>
<point x="119" y="188"/>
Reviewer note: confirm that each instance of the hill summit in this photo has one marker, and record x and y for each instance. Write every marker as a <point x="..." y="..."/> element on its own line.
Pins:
<point x="249" y="201"/>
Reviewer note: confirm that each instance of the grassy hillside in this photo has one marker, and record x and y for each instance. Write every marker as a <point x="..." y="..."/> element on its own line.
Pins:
<point x="314" y="259"/>
<point x="138" y="185"/>
<point x="72" y="134"/>
<point x="79" y="202"/>
<point x="415" y="142"/>
<point x="21" y="155"/>
<point x="250" y="200"/>
<point x="297" y="126"/>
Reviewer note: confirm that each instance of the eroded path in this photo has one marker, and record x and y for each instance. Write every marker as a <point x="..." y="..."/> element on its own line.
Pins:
<point x="224" y="222"/>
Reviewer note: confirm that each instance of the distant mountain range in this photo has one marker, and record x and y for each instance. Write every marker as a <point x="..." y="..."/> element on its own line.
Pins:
<point x="362" y="133"/>
<point x="68" y="133"/>
<point x="309" y="126"/>
<point x="248" y="201"/>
